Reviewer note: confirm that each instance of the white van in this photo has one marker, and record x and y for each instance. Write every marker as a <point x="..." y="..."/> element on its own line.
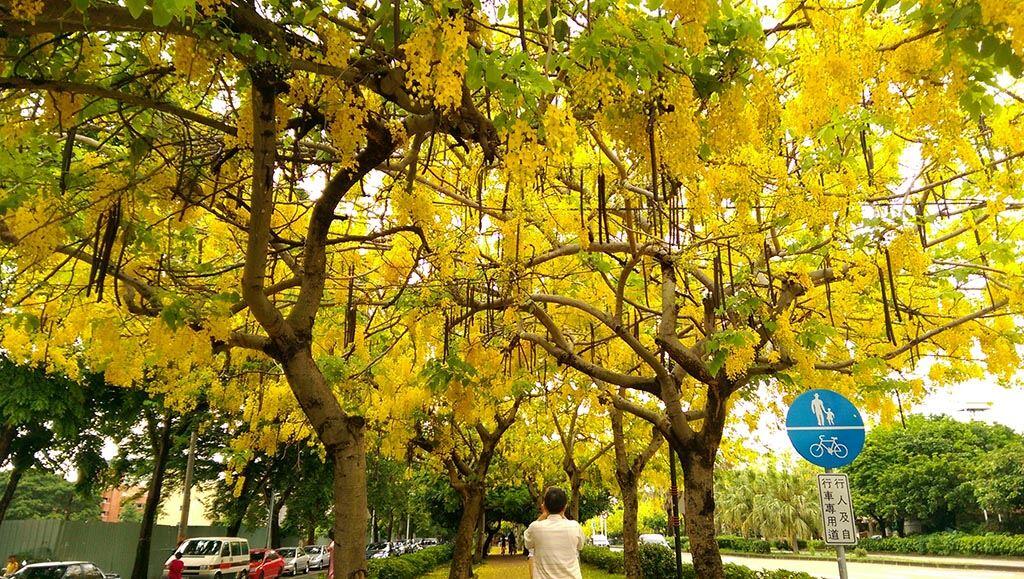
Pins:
<point x="216" y="557"/>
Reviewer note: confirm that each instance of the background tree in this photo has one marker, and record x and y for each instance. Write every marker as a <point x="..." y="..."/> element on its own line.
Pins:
<point x="999" y="482"/>
<point x="924" y="471"/>
<point x="770" y="504"/>
<point x="629" y="465"/>
<point x="45" y="495"/>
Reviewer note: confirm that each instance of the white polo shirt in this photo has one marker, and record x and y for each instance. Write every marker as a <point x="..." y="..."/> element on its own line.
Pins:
<point x="554" y="545"/>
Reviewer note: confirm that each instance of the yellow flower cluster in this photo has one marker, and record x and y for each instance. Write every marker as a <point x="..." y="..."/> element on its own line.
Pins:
<point x="435" y="61"/>
<point x="62" y="108"/>
<point x="907" y="254"/>
<point x="559" y="132"/>
<point x="693" y="15"/>
<point x="35" y="225"/>
<point x="1008" y="128"/>
<point x="526" y="156"/>
<point x="679" y="136"/>
<point x="741" y="358"/>
<point x="348" y="113"/>
<point x="1001" y="357"/>
<point x="1009" y="13"/>
<point x="26" y="9"/>
<point x="835" y="65"/>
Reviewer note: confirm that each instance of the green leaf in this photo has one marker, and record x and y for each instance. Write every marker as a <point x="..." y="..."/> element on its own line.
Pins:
<point x="135" y="7"/>
<point x="162" y="14"/>
<point x="312" y="15"/>
<point x="561" y="30"/>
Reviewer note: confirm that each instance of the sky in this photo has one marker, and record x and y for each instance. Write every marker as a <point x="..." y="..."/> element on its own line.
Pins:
<point x="1000" y="406"/>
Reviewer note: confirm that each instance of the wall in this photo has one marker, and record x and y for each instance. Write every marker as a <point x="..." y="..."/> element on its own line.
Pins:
<point x="111" y="546"/>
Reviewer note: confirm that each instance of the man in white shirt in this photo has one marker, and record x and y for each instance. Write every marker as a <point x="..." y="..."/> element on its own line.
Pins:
<point x="554" y="541"/>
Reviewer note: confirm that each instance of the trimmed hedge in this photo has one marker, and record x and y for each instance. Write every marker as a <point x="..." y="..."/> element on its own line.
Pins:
<point x="410" y="566"/>
<point x="660" y="563"/>
<point x="734" y="543"/>
<point x="949" y="544"/>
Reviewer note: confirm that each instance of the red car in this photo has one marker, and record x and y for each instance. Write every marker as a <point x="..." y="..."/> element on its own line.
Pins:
<point x="265" y="564"/>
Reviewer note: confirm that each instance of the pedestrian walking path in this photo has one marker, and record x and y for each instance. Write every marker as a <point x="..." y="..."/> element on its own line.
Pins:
<point x="513" y="567"/>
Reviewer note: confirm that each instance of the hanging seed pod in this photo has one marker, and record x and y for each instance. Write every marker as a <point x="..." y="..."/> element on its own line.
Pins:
<point x="602" y="210"/>
<point x="828" y="291"/>
<point x="889" y="333"/>
<point x="892" y="286"/>
<point x="113" y="222"/>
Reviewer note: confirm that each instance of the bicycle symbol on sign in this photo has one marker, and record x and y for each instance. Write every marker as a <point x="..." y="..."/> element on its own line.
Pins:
<point x="831" y="446"/>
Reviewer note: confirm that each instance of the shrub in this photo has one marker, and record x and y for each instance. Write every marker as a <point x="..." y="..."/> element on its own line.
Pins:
<point x="734" y="543"/>
<point x="660" y="563"/>
<point x="949" y="544"/>
<point x="410" y="566"/>
<point x="604" y="559"/>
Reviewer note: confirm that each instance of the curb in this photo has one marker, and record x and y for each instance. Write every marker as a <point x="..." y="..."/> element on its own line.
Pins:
<point x="901" y="562"/>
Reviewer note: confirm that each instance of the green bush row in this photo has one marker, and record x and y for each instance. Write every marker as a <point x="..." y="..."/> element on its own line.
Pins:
<point x="949" y="544"/>
<point x="410" y="566"/>
<point x="659" y="563"/>
<point x="734" y="543"/>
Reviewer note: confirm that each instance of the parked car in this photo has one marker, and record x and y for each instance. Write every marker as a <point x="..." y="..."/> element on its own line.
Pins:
<point x="265" y="564"/>
<point x="295" y="560"/>
<point x="62" y="570"/>
<point x="379" y="551"/>
<point x="215" y="557"/>
<point x="654" y="539"/>
<point x="319" y="556"/>
<point x="599" y="541"/>
<point x="429" y="542"/>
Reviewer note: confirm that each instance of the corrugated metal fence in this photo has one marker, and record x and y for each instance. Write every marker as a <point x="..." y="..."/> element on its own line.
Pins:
<point x="110" y="545"/>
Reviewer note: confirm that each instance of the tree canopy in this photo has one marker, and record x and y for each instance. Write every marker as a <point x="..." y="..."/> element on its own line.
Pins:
<point x="353" y="219"/>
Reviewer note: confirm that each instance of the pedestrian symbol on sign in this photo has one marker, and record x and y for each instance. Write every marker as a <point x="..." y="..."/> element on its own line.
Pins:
<point x="826" y="429"/>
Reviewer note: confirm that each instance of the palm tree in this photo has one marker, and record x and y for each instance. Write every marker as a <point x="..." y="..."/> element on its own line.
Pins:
<point x="770" y="503"/>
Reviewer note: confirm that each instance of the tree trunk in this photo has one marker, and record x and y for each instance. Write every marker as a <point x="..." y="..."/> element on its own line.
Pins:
<point x="140" y="570"/>
<point x="275" y="523"/>
<point x="241" y="504"/>
<point x="6" y="439"/>
<point x="630" y="532"/>
<point x="311" y="532"/>
<point x="574" y="497"/>
<point x="699" y="512"/>
<point x="794" y="543"/>
<point x="12" y="485"/>
<point x="462" y="557"/>
<point x="350" y="513"/>
<point x="481" y="526"/>
<point x="343" y="437"/>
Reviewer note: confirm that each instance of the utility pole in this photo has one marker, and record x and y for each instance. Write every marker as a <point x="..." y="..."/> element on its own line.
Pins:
<point x="270" y="516"/>
<point x="186" y="493"/>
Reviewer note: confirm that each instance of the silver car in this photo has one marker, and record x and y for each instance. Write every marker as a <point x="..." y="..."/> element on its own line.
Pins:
<point x="295" y="560"/>
<point x="319" y="556"/>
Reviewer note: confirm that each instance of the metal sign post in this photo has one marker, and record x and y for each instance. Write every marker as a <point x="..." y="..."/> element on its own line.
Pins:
<point x="827" y="430"/>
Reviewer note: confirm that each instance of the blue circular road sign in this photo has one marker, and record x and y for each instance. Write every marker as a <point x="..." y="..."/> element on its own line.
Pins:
<point x="825" y="428"/>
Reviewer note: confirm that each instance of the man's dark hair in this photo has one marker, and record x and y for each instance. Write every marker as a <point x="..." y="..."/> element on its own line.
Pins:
<point x="555" y="500"/>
